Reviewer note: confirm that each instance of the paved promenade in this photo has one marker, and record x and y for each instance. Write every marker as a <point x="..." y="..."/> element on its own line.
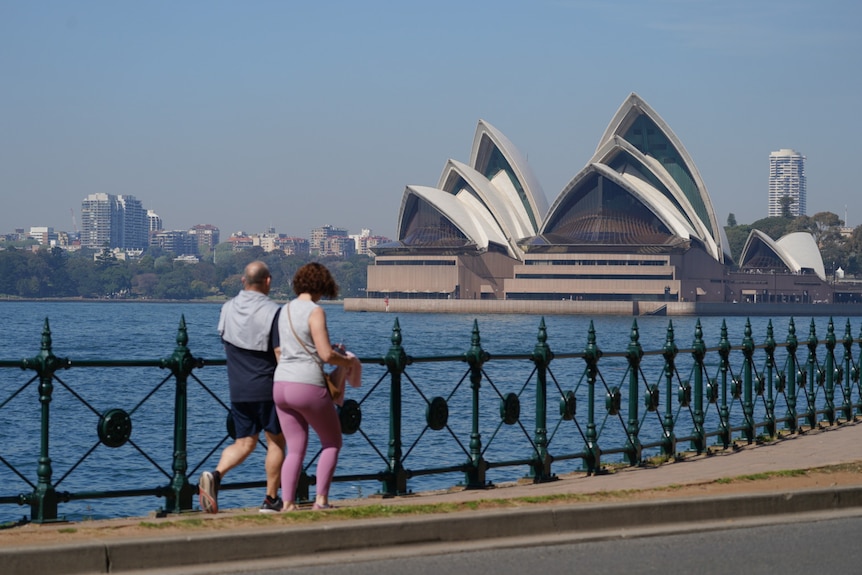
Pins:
<point x="230" y="540"/>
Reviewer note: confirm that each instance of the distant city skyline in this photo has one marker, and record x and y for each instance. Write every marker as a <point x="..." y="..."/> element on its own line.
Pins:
<point x="76" y="225"/>
<point x="124" y="225"/>
<point x="325" y="112"/>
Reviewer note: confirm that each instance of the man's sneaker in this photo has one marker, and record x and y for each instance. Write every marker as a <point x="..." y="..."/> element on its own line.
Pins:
<point x="271" y="505"/>
<point x="208" y="492"/>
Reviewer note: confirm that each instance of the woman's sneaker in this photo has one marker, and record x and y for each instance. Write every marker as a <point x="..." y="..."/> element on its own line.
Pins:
<point x="271" y="505"/>
<point x="208" y="492"/>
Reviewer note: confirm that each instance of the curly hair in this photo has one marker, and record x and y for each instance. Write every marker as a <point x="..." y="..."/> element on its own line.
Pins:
<point x="315" y="279"/>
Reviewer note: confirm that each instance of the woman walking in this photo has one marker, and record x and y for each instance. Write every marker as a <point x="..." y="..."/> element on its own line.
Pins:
<point x="299" y="391"/>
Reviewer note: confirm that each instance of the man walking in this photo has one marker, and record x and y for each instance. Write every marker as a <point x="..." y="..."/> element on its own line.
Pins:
<point x="248" y="325"/>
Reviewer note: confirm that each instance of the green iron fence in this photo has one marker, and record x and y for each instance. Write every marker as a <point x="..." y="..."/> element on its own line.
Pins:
<point x="429" y="416"/>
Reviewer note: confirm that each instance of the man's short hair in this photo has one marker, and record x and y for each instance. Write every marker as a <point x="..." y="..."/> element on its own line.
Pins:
<point x="256" y="273"/>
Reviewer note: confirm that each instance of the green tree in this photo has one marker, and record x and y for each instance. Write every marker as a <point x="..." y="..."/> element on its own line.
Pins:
<point x="146" y="264"/>
<point x="231" y="285"/>
<point x="21" y="244"/>
<point x="176" y="284"/>
<point x="853" y="251"/>
<point x="164" y="263"/>
<point x="774" y="227"/>
<point x="145" y="284"/>
<point x="731" y="220"/>
<point x="28" y="286"/>
<point x="205" y="272"/>
<point x="13" y="264"/>
<point x="245" y="257"/>
<point x="222" y="252"/>
<point x="826" y="229"/>
<point x="786" y="203"/>
<point x="33" y="276"/>
<point x="106" y="257"/>
<point x="116" y="280"/>
<point x="736" y="237"/>
<point x="199" y="289"/>
<point x="83" y="273"/>
<point x="155" y="252"/>
<point x="282" y="275"/>
<point x="94" y="274"/>
<point x="206" y="254"/>
<point x="824" y="226"/>
<point x="351" y="274"/>
<point x="59" y="284"/>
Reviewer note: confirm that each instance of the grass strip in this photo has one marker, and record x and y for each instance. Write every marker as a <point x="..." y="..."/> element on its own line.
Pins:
<point x="377" y="511"/>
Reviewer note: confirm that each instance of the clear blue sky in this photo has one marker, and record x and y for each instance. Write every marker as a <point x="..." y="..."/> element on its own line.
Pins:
<point x="290" y="114"/>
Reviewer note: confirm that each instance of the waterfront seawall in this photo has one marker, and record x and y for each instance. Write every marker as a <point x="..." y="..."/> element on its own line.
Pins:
<point x="573" y="307"/>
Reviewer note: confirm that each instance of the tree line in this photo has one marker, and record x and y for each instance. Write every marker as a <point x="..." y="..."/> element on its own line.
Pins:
<point x="57" y="273"/>
<point x="54" y="272"/>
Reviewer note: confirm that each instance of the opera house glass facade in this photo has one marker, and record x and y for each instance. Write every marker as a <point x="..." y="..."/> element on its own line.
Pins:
<point x="635" y="224"/>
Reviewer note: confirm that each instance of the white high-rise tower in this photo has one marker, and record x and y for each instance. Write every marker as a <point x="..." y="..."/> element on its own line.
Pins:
<point x="787" y="178"/>
<point x="113" y="221"/>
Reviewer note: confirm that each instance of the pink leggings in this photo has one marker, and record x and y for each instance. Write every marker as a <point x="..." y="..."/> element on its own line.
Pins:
<point x="298" y="405"/>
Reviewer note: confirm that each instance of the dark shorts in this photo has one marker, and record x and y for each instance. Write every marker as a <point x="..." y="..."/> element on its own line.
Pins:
<point x="252" y="417"/>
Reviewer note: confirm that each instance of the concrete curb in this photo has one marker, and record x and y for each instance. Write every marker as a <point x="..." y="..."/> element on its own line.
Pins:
<point x="116" y="556"/>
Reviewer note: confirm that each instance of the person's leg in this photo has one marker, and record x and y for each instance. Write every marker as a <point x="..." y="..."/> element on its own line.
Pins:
<point x="295" y="430"/>
<point x="245" y="420"/>
<point x="324" y="419"/>
<point x="274" y="460"/>
<point x="274" y="448"/>
<point x="236" y="453"/>
<point x="247" y="432"/>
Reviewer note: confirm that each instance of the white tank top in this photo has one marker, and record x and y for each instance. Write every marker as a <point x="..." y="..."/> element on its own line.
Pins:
<point x="295" y="364"/>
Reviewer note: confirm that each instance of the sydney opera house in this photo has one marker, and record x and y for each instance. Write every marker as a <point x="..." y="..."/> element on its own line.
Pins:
<point x="636" y="224"/>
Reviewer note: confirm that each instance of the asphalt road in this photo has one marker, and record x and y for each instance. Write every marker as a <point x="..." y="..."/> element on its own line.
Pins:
<point x="814" y="544"/>
<point x="804" y="543"/>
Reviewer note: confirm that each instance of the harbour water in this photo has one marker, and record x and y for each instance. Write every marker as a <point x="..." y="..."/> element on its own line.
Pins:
<point x="147" y="331"/>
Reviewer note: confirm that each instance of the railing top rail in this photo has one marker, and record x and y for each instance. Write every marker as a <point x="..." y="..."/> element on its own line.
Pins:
<point x="682" y="351"/>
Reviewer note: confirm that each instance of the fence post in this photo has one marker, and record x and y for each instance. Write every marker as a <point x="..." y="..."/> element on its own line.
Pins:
<point x="476" y="357"/>
<point x="698" y="441"/>
<point x="591" y="356"/>
<point x="813" y="377"/>
<point x="829" y="408"/>
<point x="668" y="444"/>
<point x="747" y="396"/>
<point x="792" y="375"/>
<point x="847" y="405"/>
<point x="181" y="363"/>
<point x="540" y="469"/>
<point x="770" y="368"/>
<point x="723" y="410"/>
<point x="43" y="500"/>
<point x="395" y="481"/>
<point x="856" y="374"/>
<point x="634" y="353"/>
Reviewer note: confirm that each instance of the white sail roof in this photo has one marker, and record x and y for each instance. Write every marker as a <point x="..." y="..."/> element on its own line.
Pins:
<point x="637" y="123"/>
<point x="526" y="188"/>
<point x="797" y="252"/>
<point x="460" y="210"/>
